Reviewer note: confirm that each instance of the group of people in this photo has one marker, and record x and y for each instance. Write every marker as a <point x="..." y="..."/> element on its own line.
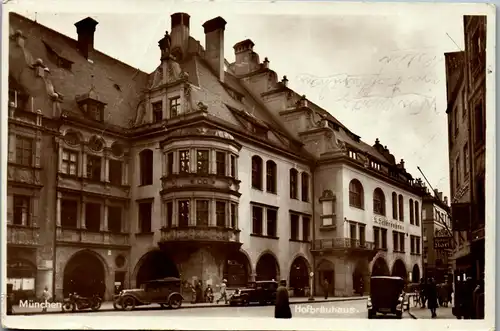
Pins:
<point x="208" y="295"/>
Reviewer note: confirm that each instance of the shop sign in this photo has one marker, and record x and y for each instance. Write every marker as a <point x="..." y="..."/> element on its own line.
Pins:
<point x="382" y="221"/>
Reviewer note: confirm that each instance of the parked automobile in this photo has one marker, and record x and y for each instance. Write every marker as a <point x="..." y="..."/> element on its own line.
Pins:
<point x="166" y="292"/>
<point x="387" y="296"/>
<point x="262" y="292"/>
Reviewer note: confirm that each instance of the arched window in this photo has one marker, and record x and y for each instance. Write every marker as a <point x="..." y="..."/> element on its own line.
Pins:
<point x="146" y="171"/>
<point x="305" y="186"/>
<point x="271" y="176"/>
<point x="378" y="202"/>
<point x="417" y="214"/>
<point x="394" y="205"/>
<point x="294" y="176"/>
<point x="257" y="172"/>
<point x="412" y="215"/>
<point x="355" y="194"/>
<point x="401" y="208"/>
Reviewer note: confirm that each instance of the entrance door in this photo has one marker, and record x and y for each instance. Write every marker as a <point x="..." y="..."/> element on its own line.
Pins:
<point x="330" y="276"/>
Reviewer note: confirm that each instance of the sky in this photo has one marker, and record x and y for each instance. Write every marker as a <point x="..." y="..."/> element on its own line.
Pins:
<point x="377" y="69"/>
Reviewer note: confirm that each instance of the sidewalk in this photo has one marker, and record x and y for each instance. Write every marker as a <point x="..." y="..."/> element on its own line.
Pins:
<point x="425" y="313"/>
<point x="108" y="305"/>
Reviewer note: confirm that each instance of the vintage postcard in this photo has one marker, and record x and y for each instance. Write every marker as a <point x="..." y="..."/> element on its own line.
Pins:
<point x="248" y="165"/>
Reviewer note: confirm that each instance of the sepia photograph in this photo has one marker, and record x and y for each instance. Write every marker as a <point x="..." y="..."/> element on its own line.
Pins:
<point x="272" y="165"/>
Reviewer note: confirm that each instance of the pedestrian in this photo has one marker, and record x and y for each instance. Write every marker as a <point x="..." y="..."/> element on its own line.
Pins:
<point x="478" y="302"/>
<point x="282" y="305"/>
<point x="326" y="285"/>
<point x="432" y="297"/>
<point x="423" y="292"/>
<point x="199" y="291"/>
<point x="45" y="298"/>
<point x="223" y="293"/>
<point x="468" y="306"/>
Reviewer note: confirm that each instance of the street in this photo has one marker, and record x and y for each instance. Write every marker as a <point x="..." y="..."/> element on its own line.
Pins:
<point x="340" y="309"/>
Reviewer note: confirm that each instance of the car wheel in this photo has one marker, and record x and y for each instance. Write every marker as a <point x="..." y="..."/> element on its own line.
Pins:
<point x="68" y="306"/>
<point x="175" y="302"/>
<point x="399" y="314"/>
<point x="128" y="303"/>
<point x="96" y="305"/>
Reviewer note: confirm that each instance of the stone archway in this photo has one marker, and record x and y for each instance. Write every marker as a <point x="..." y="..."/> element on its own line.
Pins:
<point x="237" y="269"/>
<point x="299" y="276"/>
<point x="85" y="274"/>
<point x="267" y="268"/>
<point x="415" y="274"/>
<point x="361" y="277"/>
<point x="325" y="270"/>
<point x="399" y="269"/>
<point x="380" y="267"/>
<point x="155" y="265"/>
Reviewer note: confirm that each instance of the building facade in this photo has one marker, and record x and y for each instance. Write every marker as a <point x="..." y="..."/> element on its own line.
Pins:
<point x="466" y="90"/>
<point x="203" y="169"/>
<point x="436" y="235"/>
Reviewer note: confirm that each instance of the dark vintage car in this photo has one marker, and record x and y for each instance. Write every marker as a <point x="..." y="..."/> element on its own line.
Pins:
<point x="262" y="292"/>
<point x="165" y="292"/>
<point x="387" y="296"/>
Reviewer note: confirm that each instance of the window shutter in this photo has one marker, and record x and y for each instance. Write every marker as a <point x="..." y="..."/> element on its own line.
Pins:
<point x="37" y="151"/>
<point x="12" y="148"/>
<point x="10" y="209"/>
<point x="34" y="212"/>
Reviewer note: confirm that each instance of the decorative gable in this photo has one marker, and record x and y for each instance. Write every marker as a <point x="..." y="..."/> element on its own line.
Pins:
<point x="91" y="106"/>
<point x="250" y="122"/>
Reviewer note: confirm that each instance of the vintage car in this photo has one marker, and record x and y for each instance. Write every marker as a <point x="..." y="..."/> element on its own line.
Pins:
<point x="387" y="296"/>
<point x="262" y="292"/>
<point x="165" y="292"/>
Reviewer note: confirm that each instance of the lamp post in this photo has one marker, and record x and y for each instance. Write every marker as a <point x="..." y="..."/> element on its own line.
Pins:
<point x="311" y="275"/>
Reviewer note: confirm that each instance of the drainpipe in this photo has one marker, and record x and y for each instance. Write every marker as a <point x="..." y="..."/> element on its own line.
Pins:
<point x="313" y="201"/>
<point x="54" y="246"/>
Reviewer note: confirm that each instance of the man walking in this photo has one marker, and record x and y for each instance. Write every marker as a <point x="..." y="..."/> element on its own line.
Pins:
<point x="432" y="297"/>
<point x="45" y="298"/>
<point x="223" y="294"/>
<point x="282" y="306"/>
<point x="326" y="285"/>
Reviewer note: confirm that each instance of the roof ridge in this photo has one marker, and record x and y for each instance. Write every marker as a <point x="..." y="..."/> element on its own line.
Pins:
<point x="74" y="41"/>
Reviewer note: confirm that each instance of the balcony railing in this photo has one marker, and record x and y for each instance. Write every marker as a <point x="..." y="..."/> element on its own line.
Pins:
<point x="89" y="237"/>
<point x="342" y="243"/>
<point x="21" y="235"/>
<point x="202" y="234"/>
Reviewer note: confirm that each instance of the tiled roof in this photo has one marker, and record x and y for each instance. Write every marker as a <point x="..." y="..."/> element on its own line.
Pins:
<point x="116" y="84"/>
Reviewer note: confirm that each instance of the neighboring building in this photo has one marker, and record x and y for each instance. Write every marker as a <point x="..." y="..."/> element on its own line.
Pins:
<point x="202" y="169"/>
<point x="466" y="90"/>
<point x="436" y="227"/>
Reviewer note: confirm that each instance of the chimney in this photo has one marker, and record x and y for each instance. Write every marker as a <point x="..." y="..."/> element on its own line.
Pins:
<point x="440" y="196"/>
<point x="446" y="201"/>
<point x="85" y="29"/>
<point x="246" y="59"/>
<point x="214" y="45"/>
<point x="179" y="34"/>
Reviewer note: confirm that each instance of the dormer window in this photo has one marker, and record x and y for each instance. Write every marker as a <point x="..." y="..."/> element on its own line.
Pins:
<point x="375" y="165"/>
<point x="175" y="106"/>
<point x="90" y="104"/>
<point x="353" y="155"/>
<point x="157" y="111"/>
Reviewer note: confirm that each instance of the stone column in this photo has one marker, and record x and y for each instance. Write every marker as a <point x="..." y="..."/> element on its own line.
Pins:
<point x="264" y="222"/>
<point x="192" y="160"/>
<point x="213" y="162"/>
<point x="106" y="168"/>
<point x="58" y="209"/>
<point x="125" y="171"/>
<point x="192" y="212"/>
<point x="212" y="215"/>
<point x="82" y="214"/>
<point x="163" y="163"/>
<point x="84" y="165"/>
<point x="175" y="213"/>
<point x="301" y="228"/>
<point x="104" y="209"/>
<point x="175" y="167"/>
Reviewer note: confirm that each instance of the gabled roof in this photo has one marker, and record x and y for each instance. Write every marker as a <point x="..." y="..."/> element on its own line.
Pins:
<point x="116" y="83"/>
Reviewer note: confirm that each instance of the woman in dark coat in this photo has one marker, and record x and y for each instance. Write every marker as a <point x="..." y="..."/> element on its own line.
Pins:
<point x="432" y="297"/>
<point x="282" y="306"/>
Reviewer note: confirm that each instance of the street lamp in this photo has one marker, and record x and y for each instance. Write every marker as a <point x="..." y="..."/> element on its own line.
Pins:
<point x="311" y="275"/>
